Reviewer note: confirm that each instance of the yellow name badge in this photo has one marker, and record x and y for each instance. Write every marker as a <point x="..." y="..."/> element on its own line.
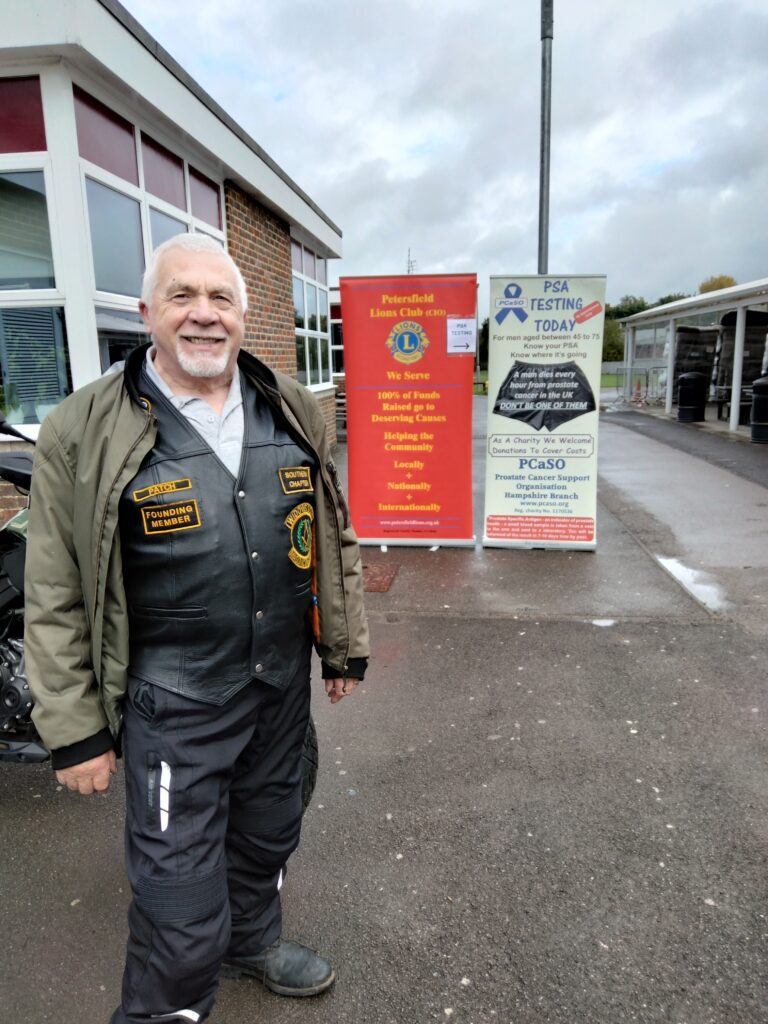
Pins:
<point x="166" y="487"/>
<point x="296" y="480"/>
<point x="170" y="518"/>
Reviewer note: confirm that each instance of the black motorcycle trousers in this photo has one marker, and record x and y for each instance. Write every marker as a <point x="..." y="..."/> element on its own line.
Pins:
<point x="213" y="812"/>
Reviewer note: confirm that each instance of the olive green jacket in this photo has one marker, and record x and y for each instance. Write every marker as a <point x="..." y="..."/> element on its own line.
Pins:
<point x="76" y="634"/>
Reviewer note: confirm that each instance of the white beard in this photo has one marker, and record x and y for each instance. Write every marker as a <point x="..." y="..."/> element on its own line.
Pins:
<point x="202" y="365"/>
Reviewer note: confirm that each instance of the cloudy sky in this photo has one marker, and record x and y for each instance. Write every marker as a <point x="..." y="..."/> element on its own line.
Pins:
<point x="415" y="125"/>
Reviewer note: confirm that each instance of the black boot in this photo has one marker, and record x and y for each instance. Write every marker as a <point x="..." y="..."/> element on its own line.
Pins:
<point x="287" y="968"/>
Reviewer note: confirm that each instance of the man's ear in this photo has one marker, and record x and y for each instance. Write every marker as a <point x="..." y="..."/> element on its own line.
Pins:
<point x="144" y="310"/>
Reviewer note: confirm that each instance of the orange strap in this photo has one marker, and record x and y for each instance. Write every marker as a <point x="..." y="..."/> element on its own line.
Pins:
<point x="314" y="611"/>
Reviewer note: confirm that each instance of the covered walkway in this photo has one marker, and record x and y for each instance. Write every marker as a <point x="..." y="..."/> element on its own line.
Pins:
<point x="711" y="309"/>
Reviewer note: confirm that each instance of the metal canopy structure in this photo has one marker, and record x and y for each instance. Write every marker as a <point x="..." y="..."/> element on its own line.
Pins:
<point x="738" y="298"/>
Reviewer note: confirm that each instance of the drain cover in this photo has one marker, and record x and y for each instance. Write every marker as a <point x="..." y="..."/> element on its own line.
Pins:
<point x="377" y="578"/>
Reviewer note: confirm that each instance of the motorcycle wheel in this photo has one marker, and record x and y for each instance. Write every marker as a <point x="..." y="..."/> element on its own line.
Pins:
<point x="310" y="760"/>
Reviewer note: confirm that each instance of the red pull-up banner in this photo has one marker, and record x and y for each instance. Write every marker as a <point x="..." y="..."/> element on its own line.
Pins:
<point x="409" y="351"/>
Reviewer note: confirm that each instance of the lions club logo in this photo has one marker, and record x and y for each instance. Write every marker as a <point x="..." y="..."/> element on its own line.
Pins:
<point x="407" y="342"/>
<point x="299" y="521"/>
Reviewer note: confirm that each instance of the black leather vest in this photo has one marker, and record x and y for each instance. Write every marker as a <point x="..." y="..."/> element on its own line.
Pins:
<point x="218" y="570"/>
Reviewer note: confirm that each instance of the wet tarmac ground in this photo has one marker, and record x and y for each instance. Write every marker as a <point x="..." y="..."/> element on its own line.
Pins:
<point x="547" y="803"/>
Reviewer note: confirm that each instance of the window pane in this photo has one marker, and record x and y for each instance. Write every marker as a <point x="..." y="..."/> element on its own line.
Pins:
<point x="105" y="138"/>
<point x="118" y="333"/>
<point x="311" y="307"/>
<point x="218" y="241"/>
<point x="34" y="364"/>
<point x="309" y="263"/>
<point x="301" y="361"/>
<point x="323" y="296"/>
<point x="314" y="361"/>
<point x="296" y="257"/>
<point x="163" y="173"/>
<point x="335" y="311"/>
<point x="337" y="355"/>
<point x="325" y="364"/>
<point x="25" y="241"/>
<point x="204" y="196"/>
<point x="113" y="216"/>
<point x="21" y="116"/>
<point x="163" y="227"/>
<point x="321" y="266"/>
<point x="298" y="302"/>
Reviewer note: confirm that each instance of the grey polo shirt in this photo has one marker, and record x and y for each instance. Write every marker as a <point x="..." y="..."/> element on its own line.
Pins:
<point x="223" y="433"/>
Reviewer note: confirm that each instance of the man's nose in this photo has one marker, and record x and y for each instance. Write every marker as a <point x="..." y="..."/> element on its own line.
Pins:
<point x="203" y="310"/>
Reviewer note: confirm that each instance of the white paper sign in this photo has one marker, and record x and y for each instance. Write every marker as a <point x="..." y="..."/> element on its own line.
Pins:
<point x="461" y="336"/>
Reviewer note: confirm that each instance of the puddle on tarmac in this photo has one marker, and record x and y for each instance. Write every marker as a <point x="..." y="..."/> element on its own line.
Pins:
<point x="696" y="583"/>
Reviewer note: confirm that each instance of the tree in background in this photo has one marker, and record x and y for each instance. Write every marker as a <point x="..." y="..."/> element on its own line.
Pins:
<point x="672" y="297"/>
<point x="613" y="341"/>
<point x="482" y="346"/>
<point x="613" y="338"/>
<point x="713" y="284"/>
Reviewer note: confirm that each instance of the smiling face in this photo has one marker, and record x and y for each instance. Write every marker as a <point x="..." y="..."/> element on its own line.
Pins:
<point x="195" y="318"/>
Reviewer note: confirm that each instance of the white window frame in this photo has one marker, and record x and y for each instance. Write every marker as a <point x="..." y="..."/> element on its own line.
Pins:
<point x="69" y="227"/>
<point x="33" y="298"/>
<point x="305" y="333"/>
<point x="19" y="163"/>
<point x="139" y="193"/>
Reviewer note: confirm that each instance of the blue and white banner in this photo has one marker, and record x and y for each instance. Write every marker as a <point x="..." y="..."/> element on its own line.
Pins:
<point x="545" y="342"/>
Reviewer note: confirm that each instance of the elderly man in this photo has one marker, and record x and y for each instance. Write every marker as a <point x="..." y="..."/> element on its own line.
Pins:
<point x="188" y="541"/>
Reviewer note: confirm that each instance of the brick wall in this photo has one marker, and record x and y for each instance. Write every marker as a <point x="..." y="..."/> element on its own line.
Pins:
<point x="260" y="244"/>
<point x="11" y="501"/>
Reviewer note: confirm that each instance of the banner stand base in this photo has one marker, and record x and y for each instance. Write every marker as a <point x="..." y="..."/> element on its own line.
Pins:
<point x="431" y="542"/>
<point x="534" y="545"/>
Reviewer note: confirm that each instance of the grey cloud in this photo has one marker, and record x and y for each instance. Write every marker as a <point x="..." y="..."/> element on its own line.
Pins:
<point x="416" y="128"/>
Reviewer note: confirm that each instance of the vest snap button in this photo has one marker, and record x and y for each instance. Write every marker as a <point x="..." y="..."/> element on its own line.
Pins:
<point x="259" y="615"/>
<point x="258" y="668"/>
<point x="254" y="554"/>
<point x="241" y="494"/>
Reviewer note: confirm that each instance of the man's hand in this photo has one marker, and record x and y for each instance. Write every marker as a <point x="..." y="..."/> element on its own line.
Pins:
<point x="339" y="688"/>
<point x="91" y="776"/>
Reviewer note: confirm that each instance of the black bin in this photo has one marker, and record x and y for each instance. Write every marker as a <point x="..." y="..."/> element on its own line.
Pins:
<point x="760" y="411"/>
<point x="691" y="397"/>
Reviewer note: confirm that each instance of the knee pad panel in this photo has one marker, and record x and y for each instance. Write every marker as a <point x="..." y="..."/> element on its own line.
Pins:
<point x="187" y="898"/>
<point x="271" y="819"/>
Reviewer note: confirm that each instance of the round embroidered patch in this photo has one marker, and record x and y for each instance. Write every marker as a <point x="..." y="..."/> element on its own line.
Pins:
<point x="299" y="521"/>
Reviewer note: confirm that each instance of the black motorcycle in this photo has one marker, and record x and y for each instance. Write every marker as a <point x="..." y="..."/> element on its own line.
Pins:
<point x="19" y="740"/>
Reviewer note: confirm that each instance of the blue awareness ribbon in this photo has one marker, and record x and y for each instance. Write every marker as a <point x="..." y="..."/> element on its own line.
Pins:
<point x="512" y="291"/>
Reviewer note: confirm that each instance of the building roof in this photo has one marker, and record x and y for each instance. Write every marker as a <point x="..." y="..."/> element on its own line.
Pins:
<point x="754" y="293"/>
<point x="101" y="36"/>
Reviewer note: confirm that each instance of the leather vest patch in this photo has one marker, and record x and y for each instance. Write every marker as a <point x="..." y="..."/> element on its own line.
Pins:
<point x="296" y="480"/>
<point x="299" y="521"/>
<point x="166" y="487"/>
<point x="170" y="518"/>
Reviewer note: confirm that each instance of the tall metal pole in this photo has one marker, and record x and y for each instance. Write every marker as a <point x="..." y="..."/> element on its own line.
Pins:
<point x="547" y="35"/>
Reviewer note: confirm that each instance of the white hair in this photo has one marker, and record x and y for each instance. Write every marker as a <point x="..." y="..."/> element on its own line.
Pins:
<point x="190" y="243"/>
